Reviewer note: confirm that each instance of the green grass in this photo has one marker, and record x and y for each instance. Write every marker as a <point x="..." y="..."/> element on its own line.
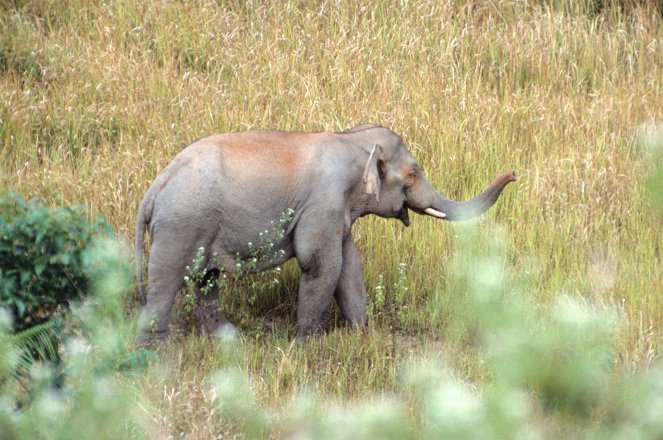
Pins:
<point x="96" y="98"/>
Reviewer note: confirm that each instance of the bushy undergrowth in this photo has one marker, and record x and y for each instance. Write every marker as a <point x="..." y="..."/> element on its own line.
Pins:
<point x="84" y="396"/>
<point x="42" y="252"/>
<point x="548" y="373"/>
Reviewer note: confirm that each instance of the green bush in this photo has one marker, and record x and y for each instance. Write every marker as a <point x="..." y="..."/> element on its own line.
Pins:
<point x="41" y="258"/>
<point x="91" y="400"/>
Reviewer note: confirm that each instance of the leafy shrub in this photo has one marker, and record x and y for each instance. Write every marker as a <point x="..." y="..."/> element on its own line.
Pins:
<point x="41" y="258"/>
<point x="92" y="400"/>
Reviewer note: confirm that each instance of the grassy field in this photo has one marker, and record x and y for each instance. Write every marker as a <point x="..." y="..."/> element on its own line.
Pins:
<point x="96" y="98"/>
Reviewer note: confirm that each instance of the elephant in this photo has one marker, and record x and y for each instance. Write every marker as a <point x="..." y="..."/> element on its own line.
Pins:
<point x="219" y="193"/>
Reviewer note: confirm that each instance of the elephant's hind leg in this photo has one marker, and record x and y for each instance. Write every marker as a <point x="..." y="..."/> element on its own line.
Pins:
<point x="166" y="270"/>
<point x="155" y="317"/>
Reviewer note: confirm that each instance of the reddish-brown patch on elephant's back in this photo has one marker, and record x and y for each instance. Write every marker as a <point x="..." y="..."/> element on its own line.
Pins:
<point x="274" y="155"/>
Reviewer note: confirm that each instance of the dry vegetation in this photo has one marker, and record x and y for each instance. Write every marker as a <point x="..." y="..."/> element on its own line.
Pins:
<point x="96" y="98"/>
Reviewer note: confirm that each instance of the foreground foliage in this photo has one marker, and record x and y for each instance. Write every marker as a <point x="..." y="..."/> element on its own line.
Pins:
<point x="548" y="373"/>
<point x="83" y="396"/>
<point x="42" y="258"/>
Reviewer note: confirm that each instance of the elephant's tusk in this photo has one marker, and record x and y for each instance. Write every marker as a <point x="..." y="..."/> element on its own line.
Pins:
<point x="435" y="213"/>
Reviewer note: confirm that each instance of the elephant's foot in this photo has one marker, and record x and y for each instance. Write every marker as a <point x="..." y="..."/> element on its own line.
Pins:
<point x="152" y="339"/>
<point x="307" y="332"/>
<point x="209" y="317"/>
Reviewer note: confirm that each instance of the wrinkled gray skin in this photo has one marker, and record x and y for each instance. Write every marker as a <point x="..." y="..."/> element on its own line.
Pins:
<point x="220" y="192"/>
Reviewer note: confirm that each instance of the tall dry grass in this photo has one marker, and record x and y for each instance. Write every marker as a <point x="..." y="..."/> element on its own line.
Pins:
<point x="96" y="98"/>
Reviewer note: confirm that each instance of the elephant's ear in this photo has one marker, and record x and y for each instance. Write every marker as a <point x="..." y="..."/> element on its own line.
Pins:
<point x="371" y="174"/>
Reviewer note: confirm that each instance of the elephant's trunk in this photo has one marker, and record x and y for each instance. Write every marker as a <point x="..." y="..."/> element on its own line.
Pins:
<point x="452" y="210"/>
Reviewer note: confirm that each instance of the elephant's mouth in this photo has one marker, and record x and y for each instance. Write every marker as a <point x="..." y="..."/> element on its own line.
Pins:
<point x="432" y="212"/>
<point x="404" y="216"/>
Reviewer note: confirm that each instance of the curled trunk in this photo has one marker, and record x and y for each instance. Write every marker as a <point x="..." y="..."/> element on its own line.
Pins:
<point x="453" y="210"/>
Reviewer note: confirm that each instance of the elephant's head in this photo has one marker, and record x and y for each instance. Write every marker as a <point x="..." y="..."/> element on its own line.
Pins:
<point x="396" y="183"/>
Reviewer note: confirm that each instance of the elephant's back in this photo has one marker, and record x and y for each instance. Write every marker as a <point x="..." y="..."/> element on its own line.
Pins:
<point x="235" y="176"/>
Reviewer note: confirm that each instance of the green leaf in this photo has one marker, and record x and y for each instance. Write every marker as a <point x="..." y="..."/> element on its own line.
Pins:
<point x="39" y="268"/>
<point x="20" y="308"/>
<point x="25" y="277"/>
<point x="40" y="236"/>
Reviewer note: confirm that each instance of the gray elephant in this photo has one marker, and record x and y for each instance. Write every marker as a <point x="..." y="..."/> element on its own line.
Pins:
<point x="221" y="192"/>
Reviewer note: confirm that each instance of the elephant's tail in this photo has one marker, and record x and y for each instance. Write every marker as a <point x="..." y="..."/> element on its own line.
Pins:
<point x="142" y="219"/>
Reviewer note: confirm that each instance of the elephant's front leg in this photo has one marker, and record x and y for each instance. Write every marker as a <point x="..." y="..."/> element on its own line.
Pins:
<point x="320" y="258"/>
<point x="350" y="291"/>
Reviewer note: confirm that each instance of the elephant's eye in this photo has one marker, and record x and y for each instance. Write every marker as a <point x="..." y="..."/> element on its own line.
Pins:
<point x="411" y="177"/>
